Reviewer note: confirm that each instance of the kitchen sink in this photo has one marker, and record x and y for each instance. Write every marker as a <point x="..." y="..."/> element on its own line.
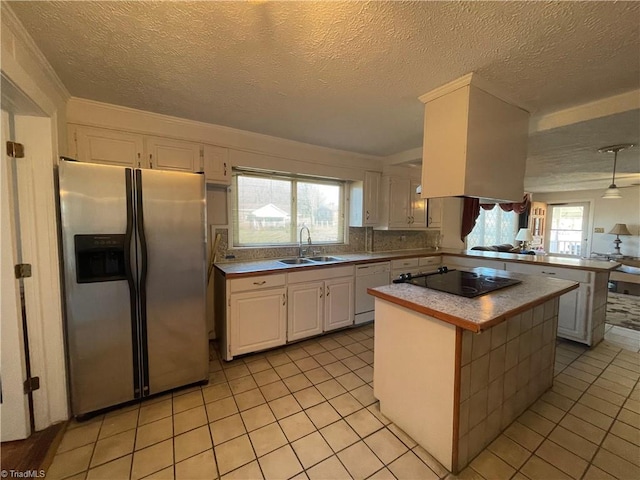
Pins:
<point x="324" y="259"/>
<point x="295" y="261"/>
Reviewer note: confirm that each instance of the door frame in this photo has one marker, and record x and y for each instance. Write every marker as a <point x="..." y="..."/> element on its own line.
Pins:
<point x="14" y="410"/>
<point x="36" y="127"/>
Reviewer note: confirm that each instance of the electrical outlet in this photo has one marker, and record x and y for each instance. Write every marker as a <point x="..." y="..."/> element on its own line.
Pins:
<point x="598" y="230"/>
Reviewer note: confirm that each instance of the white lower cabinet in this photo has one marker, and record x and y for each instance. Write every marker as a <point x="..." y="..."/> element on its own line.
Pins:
<point x="305" y="312"/>
<point x="256" y="313"/>
<point x="575" y="309"/>
<point x="258" y="320"/>
<point x="339" y="303"/>
<point x="320" y="300"/>
<point x="572" y="314"/>
<point x="318" y="307"/>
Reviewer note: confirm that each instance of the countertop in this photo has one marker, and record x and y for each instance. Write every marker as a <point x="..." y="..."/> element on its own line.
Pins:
<point x="479" y="313"/>
<point x="271" y="265"/>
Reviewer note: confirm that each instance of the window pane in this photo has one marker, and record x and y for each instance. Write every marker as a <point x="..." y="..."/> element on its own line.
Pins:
<point x="319" y="208"/>
<point x="565" y="235"/>
<point x="263" y="211"/>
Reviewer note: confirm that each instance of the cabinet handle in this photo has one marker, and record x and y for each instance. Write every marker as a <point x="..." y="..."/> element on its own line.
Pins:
<point x="367" y="216"/>
<point x="225" y="169"/>
<point x="548" y="273"/>
<point x="320" y="293"/>
<point x="150" y="160"/>
<point x="284" y="299"/>
<point x="260" y="283"/>
<point x="328" y="291"/>
<point x="138" y="159"/>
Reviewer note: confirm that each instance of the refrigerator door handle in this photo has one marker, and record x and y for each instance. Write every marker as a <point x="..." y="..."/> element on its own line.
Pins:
<point x="131" y="281"/>
<point x="142" y="286"/>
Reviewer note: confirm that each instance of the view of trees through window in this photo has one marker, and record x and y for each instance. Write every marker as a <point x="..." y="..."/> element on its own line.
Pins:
<point x="271" y="209"/>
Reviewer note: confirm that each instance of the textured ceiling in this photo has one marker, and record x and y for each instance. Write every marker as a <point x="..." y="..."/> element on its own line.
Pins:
<point x="339" y="74"/>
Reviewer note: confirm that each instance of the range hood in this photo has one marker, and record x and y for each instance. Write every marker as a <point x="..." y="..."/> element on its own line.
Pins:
<point x="475" y="142"/>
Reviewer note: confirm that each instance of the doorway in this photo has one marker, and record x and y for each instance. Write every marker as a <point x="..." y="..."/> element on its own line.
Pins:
<point x="569" y="229"/>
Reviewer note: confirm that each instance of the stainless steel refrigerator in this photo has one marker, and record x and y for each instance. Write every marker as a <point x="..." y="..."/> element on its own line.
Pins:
<point x="134" y="248"/>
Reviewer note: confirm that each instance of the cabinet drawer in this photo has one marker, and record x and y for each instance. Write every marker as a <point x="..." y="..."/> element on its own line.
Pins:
<point x="429" y="261"/>
<point x="563" y="273"/>
<point x="312" y="275"/>
<point x="255" y="283"/>
<point x="405" y="263"/>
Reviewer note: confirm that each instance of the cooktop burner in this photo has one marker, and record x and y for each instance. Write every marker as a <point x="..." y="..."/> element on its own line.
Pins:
<point x="458" y="282"/>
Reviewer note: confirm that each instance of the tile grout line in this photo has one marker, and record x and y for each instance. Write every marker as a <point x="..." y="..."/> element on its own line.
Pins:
<point x="598" y="445"/>
<point x="533" y="453"/>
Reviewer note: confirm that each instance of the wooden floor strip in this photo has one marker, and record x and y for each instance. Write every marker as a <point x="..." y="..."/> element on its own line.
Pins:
<point x="33" y="453"/>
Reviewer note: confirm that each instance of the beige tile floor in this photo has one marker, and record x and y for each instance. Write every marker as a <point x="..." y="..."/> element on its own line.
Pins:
<point x="307" y="411"/>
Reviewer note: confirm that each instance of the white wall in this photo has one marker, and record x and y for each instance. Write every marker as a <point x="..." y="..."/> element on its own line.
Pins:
<point x="606" y="213"/>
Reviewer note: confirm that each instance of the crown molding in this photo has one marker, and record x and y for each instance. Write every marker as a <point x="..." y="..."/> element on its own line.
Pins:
<point x="20" y="34"/>
<point x="475" y="80"/>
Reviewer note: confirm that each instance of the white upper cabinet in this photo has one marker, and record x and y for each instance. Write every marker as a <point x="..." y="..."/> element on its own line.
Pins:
<point x="216" y="165"/>
<point x="475" y="142"/>
<point x="113" y="147"/>
<point x="401" y="207"/>
<point x="108" y="147"/>
<point x="434" y="212"/>
<point x="177" y="155"/>
<point x="364" y="201"/>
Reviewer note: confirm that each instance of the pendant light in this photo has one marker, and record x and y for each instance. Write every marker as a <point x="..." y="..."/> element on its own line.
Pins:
<point x="613" y="191"/>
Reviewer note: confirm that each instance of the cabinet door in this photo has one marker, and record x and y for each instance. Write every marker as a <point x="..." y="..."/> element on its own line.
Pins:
<point x="168" y="154"/>
<point x="399" y="202"/>
<point x="371" y="197"/>
<point x="258" y="320"/>
<point x="109" y="147"/>
<point x="418" y="206"/>
<point x="338" y="303"/>
<point x="304" y="310"/>
<point x="216" y="165"/>
<point x="434" y="213"/>
<point x="572" y="314"/>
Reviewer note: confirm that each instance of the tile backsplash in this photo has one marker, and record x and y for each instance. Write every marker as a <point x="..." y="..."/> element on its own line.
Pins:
<point x="360" y="240"/>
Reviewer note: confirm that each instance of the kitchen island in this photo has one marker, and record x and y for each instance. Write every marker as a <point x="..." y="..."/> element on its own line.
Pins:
<point x="452" y="371"/>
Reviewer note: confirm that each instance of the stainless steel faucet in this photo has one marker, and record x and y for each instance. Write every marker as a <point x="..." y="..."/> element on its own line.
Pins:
<point x="301" y="250"/>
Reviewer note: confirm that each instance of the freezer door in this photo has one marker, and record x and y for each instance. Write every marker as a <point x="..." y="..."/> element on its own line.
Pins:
<point x="173" y="277"/>
<point x="93" y="204"/>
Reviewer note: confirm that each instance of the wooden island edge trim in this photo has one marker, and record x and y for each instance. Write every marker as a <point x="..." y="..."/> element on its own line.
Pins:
<point x="456" y="402"/>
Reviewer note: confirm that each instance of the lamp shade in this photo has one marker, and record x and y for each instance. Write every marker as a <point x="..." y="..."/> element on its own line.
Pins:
<point x="612" y="192"/>
<point x="619" y="229"/>
<point x="524" y="235"/>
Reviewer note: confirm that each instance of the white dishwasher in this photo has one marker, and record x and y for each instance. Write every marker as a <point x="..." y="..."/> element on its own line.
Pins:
<point x="367" y="276"/>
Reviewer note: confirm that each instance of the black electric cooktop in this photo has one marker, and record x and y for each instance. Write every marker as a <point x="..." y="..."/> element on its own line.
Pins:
<point x="465" y="284"/>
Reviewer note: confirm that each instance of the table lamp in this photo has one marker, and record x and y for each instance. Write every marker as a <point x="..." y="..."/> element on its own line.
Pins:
<point x="617" y="230"/>
<point x="524" y="236"/>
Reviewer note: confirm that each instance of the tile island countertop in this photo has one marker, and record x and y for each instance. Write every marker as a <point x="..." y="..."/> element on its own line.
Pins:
<point x="271" y="265"/>
<point x="482" y="312"/>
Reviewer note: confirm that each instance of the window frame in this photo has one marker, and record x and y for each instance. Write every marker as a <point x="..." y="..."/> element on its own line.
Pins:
<point x="293" y="231"/>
